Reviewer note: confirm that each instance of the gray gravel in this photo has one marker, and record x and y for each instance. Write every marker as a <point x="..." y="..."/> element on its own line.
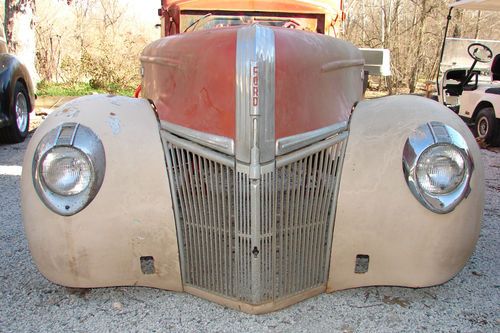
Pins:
<point x="29" y="303"/>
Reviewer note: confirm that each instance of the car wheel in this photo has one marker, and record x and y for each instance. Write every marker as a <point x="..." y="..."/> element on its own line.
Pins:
<point x="20" y="114"/>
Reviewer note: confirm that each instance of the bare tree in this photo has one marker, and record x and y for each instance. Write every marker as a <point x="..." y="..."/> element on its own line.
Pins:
<point x="90" y="41"/>
<point x="20" y="32"/>
<point x="2" y="11"/>
<point x="413" y="31"/>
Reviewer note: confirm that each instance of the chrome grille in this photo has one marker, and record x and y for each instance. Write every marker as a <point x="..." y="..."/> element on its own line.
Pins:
<point x="254" y="240"/>
<point x="305" y="197"/>
<point x="204" y="209"/>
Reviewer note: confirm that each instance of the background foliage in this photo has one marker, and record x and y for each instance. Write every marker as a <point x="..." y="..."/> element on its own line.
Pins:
<point x="413" y="31"/>
<point x="96" y="44"/>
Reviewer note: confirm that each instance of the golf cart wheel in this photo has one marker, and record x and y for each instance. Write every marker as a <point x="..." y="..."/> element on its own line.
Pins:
<point x="19" y="113"/>
<point x="487" y="126"/>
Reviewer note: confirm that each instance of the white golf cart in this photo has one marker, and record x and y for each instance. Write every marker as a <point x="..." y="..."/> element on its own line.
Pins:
<point x="469" y="77"/>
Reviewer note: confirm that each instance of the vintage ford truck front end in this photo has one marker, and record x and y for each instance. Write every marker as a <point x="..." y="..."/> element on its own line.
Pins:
<point x="252" y="174"/>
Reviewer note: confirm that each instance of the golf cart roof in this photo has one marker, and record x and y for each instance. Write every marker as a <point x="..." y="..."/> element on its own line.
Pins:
<point x="477" y="4"/>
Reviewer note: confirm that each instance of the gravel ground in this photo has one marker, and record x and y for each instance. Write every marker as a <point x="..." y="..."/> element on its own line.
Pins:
<point x="29" y="303"/>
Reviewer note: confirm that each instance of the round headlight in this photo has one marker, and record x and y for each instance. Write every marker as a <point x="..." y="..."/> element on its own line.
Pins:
<point x="438" y="166"/>
<point x="66" y="171"/>
<point x="68" y="168"/>
<point x="440" y="169"/>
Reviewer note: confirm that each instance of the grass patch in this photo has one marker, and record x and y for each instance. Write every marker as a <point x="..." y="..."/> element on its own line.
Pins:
<point x="79" y="89"/>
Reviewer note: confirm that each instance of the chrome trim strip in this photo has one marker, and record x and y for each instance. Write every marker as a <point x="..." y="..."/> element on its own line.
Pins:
<point x="197" y="149"/>
<point x="161" y="61"/>
<point x="255" y="94"/>
<point x="341" y="64"/>
<point x="331" y="222"/>
<point x="181" y="235"/>
<point x="295" y="142"/>
<point x="220" y="143"/>
<point x="300" y="154"/>
<point x="424" y="137"/>
<point x="66" y="135"/>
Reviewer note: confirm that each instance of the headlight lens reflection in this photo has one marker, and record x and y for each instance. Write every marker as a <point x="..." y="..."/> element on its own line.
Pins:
<point x="440" y="169"/>
<point x="66" y="171"/>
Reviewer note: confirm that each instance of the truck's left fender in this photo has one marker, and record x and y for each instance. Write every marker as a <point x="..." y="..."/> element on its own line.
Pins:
<point x="130" y="218"/>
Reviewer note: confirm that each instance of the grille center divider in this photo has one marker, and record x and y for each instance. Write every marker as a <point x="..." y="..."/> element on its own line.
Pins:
<point x="254" y="240"/>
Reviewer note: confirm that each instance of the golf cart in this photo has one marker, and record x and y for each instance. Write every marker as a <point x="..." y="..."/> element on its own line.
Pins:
<point x="468" y="81"/>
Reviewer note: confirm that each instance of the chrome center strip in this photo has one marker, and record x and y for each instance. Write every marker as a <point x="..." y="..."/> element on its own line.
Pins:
<point x="220" y="143"/>
<point x="255" y="142"/>
<point x="295" y="142"/>
<point x="255" y="94"/>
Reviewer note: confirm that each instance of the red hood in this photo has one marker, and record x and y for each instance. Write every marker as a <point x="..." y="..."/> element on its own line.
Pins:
<point x="191" y="78"/>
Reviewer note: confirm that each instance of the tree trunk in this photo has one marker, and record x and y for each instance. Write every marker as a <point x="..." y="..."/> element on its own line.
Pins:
<point x="413" y="77"/>
<point x="20" y="33"/>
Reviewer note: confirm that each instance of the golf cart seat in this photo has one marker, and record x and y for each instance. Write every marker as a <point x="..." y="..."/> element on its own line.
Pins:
<point x="459" y="75"/>
<point x="495" y="75"/>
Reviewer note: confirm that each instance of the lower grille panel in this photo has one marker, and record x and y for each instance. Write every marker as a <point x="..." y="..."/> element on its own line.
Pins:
<point x="254" y="240"/>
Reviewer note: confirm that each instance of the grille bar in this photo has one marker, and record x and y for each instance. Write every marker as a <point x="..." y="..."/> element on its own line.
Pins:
<point x="254" y="240"/>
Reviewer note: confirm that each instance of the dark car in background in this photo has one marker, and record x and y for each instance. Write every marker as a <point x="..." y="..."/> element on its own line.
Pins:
<point x="16" y="96"/>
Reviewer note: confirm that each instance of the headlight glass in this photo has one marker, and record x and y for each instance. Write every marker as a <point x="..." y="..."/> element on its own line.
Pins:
<point x="66" y="171"/>
<point x="440" y="169"/>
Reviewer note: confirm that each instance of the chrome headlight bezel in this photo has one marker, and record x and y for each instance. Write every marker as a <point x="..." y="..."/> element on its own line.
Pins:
<point x="84" y="141"/>
<point x="429" y="136"/>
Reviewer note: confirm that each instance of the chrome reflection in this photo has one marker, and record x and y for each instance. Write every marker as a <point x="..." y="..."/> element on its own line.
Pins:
<point x="423" y="138"/>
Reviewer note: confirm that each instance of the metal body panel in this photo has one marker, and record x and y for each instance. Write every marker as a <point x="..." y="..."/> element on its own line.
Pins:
<point x="255" y="309"/>
<point x="310" y="92"/>
<point x="131" y="216"/>
<point x="378" y="216"/>
<point x="191" y="80"/>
